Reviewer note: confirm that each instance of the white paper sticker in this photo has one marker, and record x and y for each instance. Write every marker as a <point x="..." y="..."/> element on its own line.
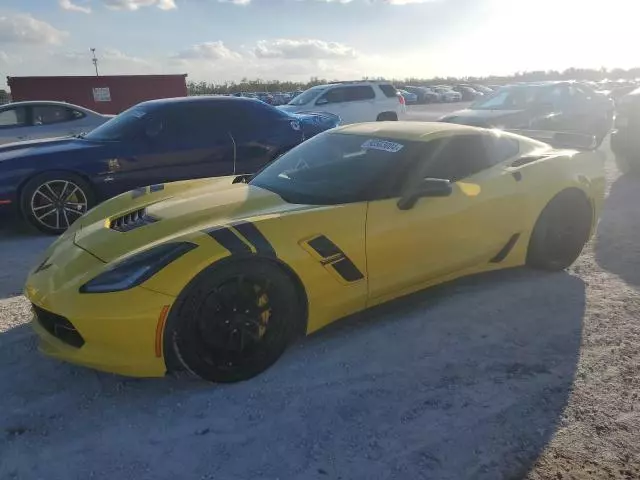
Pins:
<point x="101" y="94"/>
<point x="384" y="145"/>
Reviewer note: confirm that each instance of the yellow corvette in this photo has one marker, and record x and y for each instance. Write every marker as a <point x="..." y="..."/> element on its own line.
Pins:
<point x="217" y="276"/>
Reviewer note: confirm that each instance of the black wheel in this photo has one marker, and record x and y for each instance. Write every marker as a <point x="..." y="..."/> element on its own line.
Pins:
<point x="234" y="321"/>
<point x="561" y="231"/>
<point x="627" y="165"/>
<point x="387" y="117"/>
<point x="52" y="201"/>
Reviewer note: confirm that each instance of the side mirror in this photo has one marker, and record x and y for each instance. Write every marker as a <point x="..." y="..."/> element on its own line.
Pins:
<point x="428" y="187"/>
<point x="322" y="101"/>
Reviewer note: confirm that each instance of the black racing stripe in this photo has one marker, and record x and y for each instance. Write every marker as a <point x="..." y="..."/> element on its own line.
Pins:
<point x="324" y="247"/>
<point x="347" y="270"/>
<point x="502" y="254"/>
<point x="229" y="240"/>
<point x="255" y="237"/>
<point x="156" y="188"/>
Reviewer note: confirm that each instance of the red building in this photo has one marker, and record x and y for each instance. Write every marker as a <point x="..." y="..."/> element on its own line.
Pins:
<point x="104" y="94"/>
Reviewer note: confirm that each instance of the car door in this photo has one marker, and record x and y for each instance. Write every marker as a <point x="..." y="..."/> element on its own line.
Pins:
<point x="439" y="237"/>
<point x="171" y="144"/>
<point x="14" y="124"/>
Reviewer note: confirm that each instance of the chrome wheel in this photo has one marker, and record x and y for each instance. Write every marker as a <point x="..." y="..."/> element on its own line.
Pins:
<point x="56" y="204"/>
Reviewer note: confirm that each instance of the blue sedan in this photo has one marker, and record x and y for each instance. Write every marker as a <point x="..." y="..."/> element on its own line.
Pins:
<point x="54" y="182"/>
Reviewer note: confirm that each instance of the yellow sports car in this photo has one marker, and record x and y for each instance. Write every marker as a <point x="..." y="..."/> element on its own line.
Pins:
<point x="217" y="276"/>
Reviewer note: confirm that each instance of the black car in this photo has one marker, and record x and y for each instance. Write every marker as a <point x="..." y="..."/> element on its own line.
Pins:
<point x="51" y="183"/>
<point x="425" y="95"/>
<point x="552" y="106"/>
<point x="625" y="138"/>
<point x="468" y="93"/>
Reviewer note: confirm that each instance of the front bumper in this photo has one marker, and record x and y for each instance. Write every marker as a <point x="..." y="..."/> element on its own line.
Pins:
<point x="117" y="332"/>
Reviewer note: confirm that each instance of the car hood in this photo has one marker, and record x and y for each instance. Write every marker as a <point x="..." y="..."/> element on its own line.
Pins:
<point x="49" y="145"/>
<point x="173" y="210"/>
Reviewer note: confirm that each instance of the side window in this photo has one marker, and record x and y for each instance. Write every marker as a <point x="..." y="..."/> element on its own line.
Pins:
<point x="333" y="95"/>
<point x="202" y="124"/>
<point x="359" y="92"/>
<point x="389" y="90"/>
<point x="456" y="157"/>
<point x="252" y="113"/>
<point x="13" y="117"/>
<point x="50" y="114"/>
<point x="500" y="148"/>
<point x="557" y="95"/>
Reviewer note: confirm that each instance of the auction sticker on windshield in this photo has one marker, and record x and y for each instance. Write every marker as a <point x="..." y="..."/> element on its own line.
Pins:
<point x="384" y="145"/>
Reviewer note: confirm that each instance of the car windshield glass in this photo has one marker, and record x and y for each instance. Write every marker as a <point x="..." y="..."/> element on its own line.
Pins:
<point x="333" y="168"/>
<point x="511" y="98"/>
<point x="307" y="96"/>
<point x="120" y="127"/>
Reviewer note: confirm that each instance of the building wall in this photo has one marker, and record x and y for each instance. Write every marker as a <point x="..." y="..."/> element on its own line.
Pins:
<point x="124" y="90"/>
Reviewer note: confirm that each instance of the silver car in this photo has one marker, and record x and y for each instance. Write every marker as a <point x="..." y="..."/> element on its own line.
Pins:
<point x="21" y="121"/>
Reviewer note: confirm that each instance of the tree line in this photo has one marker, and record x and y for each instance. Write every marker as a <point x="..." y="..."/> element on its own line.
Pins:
<point x="258" y="85"/>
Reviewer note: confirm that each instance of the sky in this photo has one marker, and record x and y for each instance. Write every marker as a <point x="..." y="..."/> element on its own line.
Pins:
<point x="226" y="40"/>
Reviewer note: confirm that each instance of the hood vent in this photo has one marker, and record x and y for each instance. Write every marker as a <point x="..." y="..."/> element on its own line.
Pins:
<point x="132" y="220"/>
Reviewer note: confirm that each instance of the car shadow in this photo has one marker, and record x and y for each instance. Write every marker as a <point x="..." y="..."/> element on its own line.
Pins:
<point x="617" y="245"/>
<point x="20" y="248"/>
<point x="468" y="380"/>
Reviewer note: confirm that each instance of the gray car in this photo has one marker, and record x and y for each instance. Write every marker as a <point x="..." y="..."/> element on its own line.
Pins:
<point x="21" y="121"/>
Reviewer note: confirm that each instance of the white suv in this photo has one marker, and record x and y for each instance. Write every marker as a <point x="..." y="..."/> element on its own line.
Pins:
<point x="353" y="102"/>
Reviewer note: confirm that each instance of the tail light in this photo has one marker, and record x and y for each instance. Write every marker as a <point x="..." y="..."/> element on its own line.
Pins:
<point x="401" y="99"/>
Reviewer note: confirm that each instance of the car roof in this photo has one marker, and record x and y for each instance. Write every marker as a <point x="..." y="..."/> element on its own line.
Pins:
<point x="44" y="102"/>
<point x="416" y="131"/>
<point x="201" y="99"/>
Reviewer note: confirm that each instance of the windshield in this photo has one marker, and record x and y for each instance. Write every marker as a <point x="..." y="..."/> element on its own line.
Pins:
<point x="513" y="98"/>
<point x="121" y="127"/>
<point x="333" y="168"/>
<point x="307" y="96"/>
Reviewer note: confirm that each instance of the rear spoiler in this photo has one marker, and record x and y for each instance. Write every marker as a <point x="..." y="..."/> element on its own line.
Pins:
<point x="570" y="140"/>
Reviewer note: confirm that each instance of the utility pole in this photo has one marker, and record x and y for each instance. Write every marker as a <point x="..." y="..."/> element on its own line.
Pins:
<point x="95" y="61"/>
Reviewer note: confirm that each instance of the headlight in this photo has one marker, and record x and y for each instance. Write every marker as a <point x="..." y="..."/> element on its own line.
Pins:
<point x="137" y="269"/>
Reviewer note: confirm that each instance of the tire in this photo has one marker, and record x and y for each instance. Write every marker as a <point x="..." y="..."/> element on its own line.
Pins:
<point x="259" y="313"/>
<point x="65" y="195"/>
<point x="561" y="231"/>
<point x="387" y="117"/>
<point x="626" y="165"/>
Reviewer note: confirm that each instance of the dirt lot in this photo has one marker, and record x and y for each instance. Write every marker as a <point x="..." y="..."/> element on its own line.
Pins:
<point x="503" y="376"/>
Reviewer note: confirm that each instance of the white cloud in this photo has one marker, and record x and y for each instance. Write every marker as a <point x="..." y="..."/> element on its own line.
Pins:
<point x="136" y="4"/>
<point x="387" y="2"/>
<point x="236" y="2"/>
<point x="24" y="29"/>
<point x="72" y="7"/>
<point x="208" y="51"/>
<point x="303" y="49"/>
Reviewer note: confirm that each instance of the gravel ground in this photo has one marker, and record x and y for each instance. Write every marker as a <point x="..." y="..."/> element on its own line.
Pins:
<point x="511" y="375"/>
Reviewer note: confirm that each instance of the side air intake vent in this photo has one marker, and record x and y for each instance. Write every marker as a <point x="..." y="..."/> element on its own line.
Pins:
<point x="132" y="220"/>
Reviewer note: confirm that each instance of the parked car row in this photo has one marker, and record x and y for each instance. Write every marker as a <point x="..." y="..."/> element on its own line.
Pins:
<point x="570" y="107"/>
<point x="445" y="93"/>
